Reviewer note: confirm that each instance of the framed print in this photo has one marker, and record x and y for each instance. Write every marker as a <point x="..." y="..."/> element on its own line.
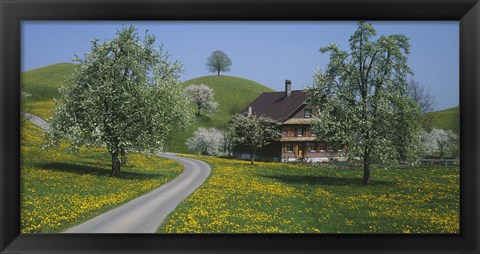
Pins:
<point x="239" y="126"/>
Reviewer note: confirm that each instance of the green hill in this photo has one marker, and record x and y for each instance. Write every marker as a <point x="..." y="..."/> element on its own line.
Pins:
<point x="43" y="84"/>
<point x="231" y="93"/>
<point x="447" y="119"/>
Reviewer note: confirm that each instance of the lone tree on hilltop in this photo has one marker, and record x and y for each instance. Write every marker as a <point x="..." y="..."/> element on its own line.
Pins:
<point x="361" y="99"/>
<point x="124" y="95"/>
<point x="253" y="132"/>
<point x="218" y="62"/>
<point x="202" y="96"/>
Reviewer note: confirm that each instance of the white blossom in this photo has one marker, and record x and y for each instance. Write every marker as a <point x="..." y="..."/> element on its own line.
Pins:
<point x="206" y="141"/>
<point x="253" y="132"/>
<point x="124" y="95"/>
<point x="440" y="141"/>
<point x="203" y="97"/>
<point x="361" y="100"/>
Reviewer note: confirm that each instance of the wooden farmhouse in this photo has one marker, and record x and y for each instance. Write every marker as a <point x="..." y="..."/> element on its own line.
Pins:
<point x="292" y="109"/>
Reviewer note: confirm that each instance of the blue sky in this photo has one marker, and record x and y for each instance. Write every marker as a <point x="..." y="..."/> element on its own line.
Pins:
<point x="267" y="52"/>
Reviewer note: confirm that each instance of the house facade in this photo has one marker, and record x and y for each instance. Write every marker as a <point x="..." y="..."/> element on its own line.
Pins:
<point x="291" y="108"/>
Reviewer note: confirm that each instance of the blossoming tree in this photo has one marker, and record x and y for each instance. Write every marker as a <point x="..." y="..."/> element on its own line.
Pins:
<point x="253" y="132"/>
<point x="206" y="141"/>
<point x="361" y="99"/>
<point x="124" y="95"/>
<point x="202" y="96"/>
<point x="445" y="142"/>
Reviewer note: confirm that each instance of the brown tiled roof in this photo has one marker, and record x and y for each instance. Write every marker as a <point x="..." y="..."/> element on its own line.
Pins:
<point x="276" y="106"/>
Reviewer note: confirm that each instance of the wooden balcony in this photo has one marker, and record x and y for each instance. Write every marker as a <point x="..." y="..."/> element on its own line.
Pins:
<point x="298" y="121"/>
<point x="291" y="139"/>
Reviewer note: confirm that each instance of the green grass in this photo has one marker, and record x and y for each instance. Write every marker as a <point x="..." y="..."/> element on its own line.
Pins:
<point x="447" y="119"/>
<point x="288" y="198"/>
<point x="60" y="189"/>
<point x="43" y="83"/>
<point x="232" y="94"/>
<point x="43" y="109"/>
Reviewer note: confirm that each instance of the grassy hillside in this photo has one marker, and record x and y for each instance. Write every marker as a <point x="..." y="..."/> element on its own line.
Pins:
<point x="232" y="95"/>
<point x="43" y="84"/>
<point x="447" y="119"/>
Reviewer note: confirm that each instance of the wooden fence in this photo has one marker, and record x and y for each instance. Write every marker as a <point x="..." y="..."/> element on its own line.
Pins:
<point x="443" y="162"/>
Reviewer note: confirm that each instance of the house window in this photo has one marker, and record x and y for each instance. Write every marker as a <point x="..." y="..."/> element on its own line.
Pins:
<point x="290" y="131"/>
<point x="307" y="113"/>
<point x="300" y="132"/>
<point x="311" y="147"/>
<point x="308" y="131"/>
<point x="322" y="146"/>
<point x="288" y="147"/>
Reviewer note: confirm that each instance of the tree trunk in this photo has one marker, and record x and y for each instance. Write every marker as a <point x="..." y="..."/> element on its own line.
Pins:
<point x="116" y="164"/>
<point x="198" y="110"/>
<point x="123" y="157"/>
<point x="366" y="166"/>
<point x="252" y="159"/>
<point x="218" y="72"/>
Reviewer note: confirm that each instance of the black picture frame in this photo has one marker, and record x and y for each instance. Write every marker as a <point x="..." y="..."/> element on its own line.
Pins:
<point x="12" y="12"/>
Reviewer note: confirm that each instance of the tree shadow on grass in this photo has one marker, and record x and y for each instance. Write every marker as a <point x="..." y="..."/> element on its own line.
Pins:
<point x="92" y="170"/>
<point x="326" y="180"/>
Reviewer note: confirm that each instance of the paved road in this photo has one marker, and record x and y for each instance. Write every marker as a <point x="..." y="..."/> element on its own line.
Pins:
<point x="145" y="213"/>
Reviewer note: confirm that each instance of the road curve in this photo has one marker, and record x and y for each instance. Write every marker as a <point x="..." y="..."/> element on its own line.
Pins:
<point x="145" y="213"/>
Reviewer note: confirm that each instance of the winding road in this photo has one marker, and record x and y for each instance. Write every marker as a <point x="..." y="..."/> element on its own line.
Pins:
<point x="145" y="213"/>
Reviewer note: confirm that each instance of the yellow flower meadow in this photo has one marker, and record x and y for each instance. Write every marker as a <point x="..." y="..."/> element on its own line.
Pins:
<point x="60" y="189"/>
<point x="43" y="109"/>
<point x="296" y="198"/>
